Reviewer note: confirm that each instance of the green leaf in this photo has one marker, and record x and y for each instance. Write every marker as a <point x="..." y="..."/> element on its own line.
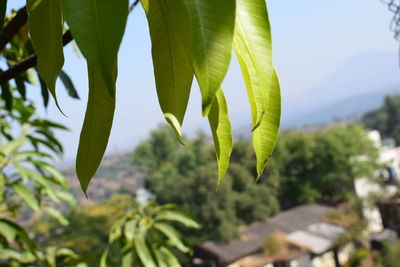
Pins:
<point x="11" y="230"/>
<point x="19" y="82"/>
<point x="170" y="258"/>
<point x="27" y="196"/>
<point x="143" y="251"/>
<point x="3" y="9"/>
<point x="96" y="127"/>
<point x="253" y="47"/>
<point x="222" y="133"/>
<point x="68" y="84"/>
<point x="44" y="91"/>
<point x="172" y="67"/>
<point x="98" y="27"/>
<point x="46" y="30"/>
<point x="7" y="95"/>
<point x="178" y="216"/>
<point x="173" y="236"/>
<point x="57" y="215"/>
<point x="213" y="24"/>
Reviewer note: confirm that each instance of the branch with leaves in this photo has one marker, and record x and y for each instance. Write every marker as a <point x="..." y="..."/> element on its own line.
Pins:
<point x="190" y="39"/>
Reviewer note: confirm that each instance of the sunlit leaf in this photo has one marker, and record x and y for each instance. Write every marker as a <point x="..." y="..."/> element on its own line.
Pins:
<point x="222" y="132"/>
<point x="26" y="195"/>
<point x="46" y="30"/>
<point x="213" y="24"/>
<point x="178" y="216"/>
<point x="98" y="27"/>
<point x="170" y="258"/>
<point x="96" y="127"/>
<point x="173" y="236"/>
<point x="252" y="44"/>
<point x="172" y="66"/>
<point x="143" y="250"/>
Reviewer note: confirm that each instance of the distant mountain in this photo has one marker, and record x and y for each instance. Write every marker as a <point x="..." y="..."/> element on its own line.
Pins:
<point x="350" y="109"/>
<point x="357" y="85"/>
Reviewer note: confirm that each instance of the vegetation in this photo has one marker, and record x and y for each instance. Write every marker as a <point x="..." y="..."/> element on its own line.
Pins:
<point x="321" y="166"/>
<point x="386" y="119"/>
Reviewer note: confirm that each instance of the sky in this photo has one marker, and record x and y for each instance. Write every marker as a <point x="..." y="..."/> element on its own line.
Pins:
<point x="311" y="39"/>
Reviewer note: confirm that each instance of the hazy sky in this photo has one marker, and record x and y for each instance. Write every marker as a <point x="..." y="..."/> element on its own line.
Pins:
<point x="311" y="39"/>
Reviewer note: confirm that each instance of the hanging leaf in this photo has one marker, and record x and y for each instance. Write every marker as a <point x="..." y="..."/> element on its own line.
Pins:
<point x="46" y="30"/>
<point x="68" y="84"/>
<point x="7" y="96"/>
<point x="45" y="92"/>
<point x="252" y="44"/>
<point x="178" y="216"/>
<point x="222" y="132"/>
<point x="3" y="9"/>
<point x="172" y="66"/>
<point x="213" y="24"/>
<point x="96" y="127"/>
<point x="98" y="27"/>
<point x="19" y="81"/>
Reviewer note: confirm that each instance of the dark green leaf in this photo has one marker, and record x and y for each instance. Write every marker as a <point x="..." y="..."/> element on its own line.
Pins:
<point x="45" y="92"/>
<point x="68" y="84"/>
<point x="3" y="9"/>
<point x="19" y="81"/>
<point x="98" y="27"/>
<point x="46" y="30"/>
<point x="96" y="127"/>
<point x="6" y="95"/>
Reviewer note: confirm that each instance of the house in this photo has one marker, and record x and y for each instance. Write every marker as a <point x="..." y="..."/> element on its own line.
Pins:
<point x="309" y="240"/>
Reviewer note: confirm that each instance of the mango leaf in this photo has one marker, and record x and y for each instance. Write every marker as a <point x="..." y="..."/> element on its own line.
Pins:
<point x="160" y="258"/>
<point x="96" y="127"/>
<point x="11" y="230"/>
<point x="213" y="24"/>
<point x="222" y="133"/>
<point x="26" y="196"/>
<point x="178" y="216"/>
<point x="174" y="238"/>
<point x="98" y="27"/>
<point x="3" y="9"/>
<point x="170" y="258"/>
<point x="45" y="92"/>
<point x="172" y="67"/>
<point x="46" y="30"/>
<point x="143" y="251"/>
<point x="7" y="95"/>
<point x="252" y="45"/>
<point x="68" y="84"/>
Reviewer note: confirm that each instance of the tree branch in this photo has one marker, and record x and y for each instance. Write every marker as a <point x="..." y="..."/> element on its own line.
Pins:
<point x="30" y="61"/>
<point x="13" y="27"/>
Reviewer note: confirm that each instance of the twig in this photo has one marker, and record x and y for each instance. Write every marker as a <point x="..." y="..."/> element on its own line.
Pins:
<point x="13" y="27"/>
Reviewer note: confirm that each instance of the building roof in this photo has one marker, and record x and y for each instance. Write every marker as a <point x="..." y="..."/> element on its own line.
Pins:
<point x="302" y="218"/>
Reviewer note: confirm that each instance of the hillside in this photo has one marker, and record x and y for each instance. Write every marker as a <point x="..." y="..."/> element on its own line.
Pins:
<point x="115" y="175"/>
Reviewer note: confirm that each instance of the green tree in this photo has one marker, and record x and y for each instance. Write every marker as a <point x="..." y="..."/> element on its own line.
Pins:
<point x="322" y="165"/>
<point x="184" y="176"/>
<point x="386" y="119"/>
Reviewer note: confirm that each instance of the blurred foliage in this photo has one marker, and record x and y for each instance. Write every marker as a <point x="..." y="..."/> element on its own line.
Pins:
<point x="386" y="119"/>
<point x="307" y="167"/>
<point x="88" y="228"/>
<point x="146" y="236"/>
<point x="321" y="166"/>
<point x="184" y="175"/>
<point x="30" y="185"/>
<point x="389" y="256"/>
